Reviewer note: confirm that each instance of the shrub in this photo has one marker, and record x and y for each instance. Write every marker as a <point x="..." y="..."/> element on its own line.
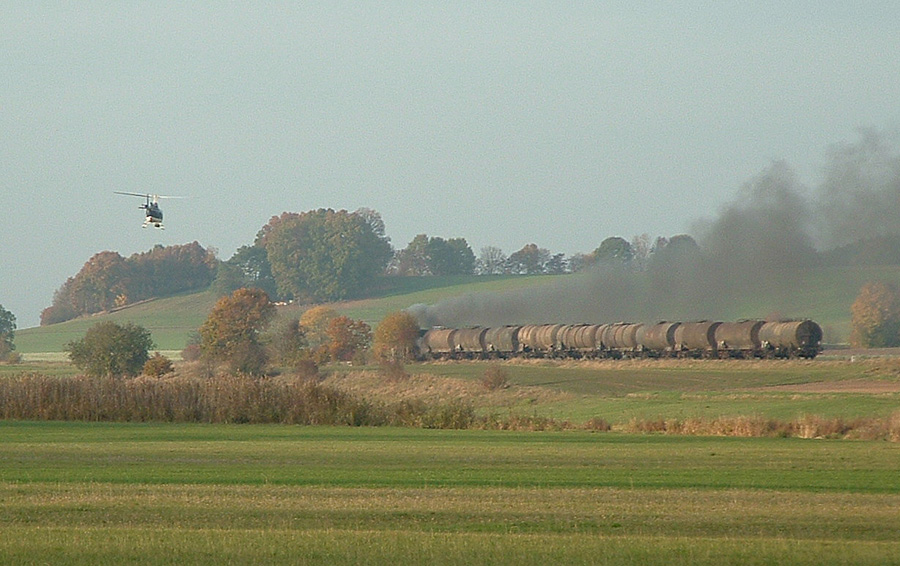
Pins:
<point x="393" y="370"/>
<point x="109" y="349"/>
<point x="495" y="377"/>
<point x="158" y="366"/>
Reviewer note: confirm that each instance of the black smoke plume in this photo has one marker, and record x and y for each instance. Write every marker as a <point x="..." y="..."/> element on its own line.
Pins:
<point x="759" y="246"/>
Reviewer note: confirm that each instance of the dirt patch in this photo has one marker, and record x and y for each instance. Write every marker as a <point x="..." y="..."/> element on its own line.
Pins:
<point x="847" y="353"/>
<point x="870" y="386"/>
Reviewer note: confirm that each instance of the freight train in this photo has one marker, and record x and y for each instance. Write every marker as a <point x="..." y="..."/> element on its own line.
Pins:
<point x="702" y="339"/>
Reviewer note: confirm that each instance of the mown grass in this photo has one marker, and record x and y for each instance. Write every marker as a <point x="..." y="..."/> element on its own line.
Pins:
<point x="417" y="458"/>
<point x="80" y="493"/>
<point x="620" y="391"/>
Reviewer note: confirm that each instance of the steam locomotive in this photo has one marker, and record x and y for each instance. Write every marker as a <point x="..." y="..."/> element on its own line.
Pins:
<point x="703" y="339"/>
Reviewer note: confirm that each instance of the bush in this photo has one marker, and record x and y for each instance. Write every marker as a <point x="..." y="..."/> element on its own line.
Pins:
<point x="158" y="366"/>
<point x="109" y="349"/>
<point x="875" y="316"/>
<point x="393" y="370"/>
<point x="495" y="378"/>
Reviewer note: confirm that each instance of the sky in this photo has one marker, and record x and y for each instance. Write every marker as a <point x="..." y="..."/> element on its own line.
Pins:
<point x="506" y="123"/>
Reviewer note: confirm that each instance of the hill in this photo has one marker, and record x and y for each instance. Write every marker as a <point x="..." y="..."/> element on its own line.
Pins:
<point x="825" y="295"/>
<point x="173" y="320"/>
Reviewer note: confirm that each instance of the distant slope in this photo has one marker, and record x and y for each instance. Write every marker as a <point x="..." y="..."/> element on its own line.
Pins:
<point x="825" y="296"/>
<point x="172" y="320"/>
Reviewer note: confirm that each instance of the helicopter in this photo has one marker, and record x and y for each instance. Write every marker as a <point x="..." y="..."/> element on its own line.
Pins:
<point x="151" y="206"/>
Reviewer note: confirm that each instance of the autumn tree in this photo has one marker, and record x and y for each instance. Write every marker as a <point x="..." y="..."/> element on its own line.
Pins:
<point x="102" y="279"/>
<point x="413" y="259"/>
<point x="324" y="255"/>
<point x="875" y="316"/>
<point x="109" y="349"/>
<point x="108" y="280"/>
<point x="232" y="330"/>
<point x="347" y="338"/>
<point x="289" y="344"/>
<point x="530" y="260"/>
<point x="314" y="323"/>
<point x="7" y="334"/>
<point x="395" y="337"/>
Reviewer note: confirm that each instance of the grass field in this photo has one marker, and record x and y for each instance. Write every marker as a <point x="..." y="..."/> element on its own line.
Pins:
<point x="825" y="296"/>
<point x="173" y="320"/>
<point x="81" y="493"/>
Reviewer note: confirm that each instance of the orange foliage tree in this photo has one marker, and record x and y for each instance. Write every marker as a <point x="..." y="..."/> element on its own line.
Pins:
<point x="875" y="316"/>
<point x="347" y="338"/>
<point x="314" y="324"/>
<point x="231" y="332"/>
<point x="395" y="337"/>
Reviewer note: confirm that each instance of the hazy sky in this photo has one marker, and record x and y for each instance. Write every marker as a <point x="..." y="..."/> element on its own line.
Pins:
<point x="558" y="123"/>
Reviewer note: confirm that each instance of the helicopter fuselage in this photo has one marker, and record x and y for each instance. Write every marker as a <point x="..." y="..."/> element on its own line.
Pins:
<point x="154" y="215"/>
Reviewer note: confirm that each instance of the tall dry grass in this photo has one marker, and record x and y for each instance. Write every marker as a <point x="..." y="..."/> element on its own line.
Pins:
<point x="297" y="399"/>
<point x="805" y="426"/>
<point x="218" y="399"/>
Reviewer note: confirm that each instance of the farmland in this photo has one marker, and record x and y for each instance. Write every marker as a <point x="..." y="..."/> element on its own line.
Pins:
<point x="672" y="482"/>
<point x="105" y="493"/>
<point x="825" y="296"/>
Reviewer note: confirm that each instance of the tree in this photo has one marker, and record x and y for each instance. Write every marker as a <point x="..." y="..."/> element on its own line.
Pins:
<point x="413" y="259"/>
<point x="7" y="334"/>
<point x="556" y="265"/>
<point x="231" y="332"/>
<point x="395" y="337"/>
<point x="314" y="323"/>
<point x="102" y="279"/>
<point x="449" y="257"/>
<point x="530" y="260"/>
<point x="491" y="261"/>
<point x="324" y="255"/>
<point x="347" y="338"/>
<point x="289" y="343"/>
<point x="614" y="250"/>
<point x="255" y="270"/>
<point x="108" y="280"/>
<point x="108" y="349"/>
<point x="641" y="249"/>
<point x="875" y="316"/>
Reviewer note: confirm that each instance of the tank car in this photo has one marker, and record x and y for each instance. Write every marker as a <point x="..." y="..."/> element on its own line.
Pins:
<point x="657" y="340"/>
<point x="696" y="339"/>
<point x="438" y="342"/>
<point x="469" y="342"/>
<point x="801" y="338"/>
<point x="739" y="339"/>
<point x="502" y="341"/>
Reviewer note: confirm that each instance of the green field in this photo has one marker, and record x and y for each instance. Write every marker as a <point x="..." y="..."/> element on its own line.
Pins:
<point x="173" y="320"/>
<point x="164" y="494"/>
<point x="619" y="391"/>
<point x="825" y="296"/>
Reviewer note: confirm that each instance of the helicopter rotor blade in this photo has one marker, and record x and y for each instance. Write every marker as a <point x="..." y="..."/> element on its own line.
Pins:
<point x="142" y="195"/>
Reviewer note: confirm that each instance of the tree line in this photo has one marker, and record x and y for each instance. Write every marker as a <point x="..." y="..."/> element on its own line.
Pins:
<point x="326" y="255"/>
<point x="108" y="280"/>
<point x="238" y="335"/>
